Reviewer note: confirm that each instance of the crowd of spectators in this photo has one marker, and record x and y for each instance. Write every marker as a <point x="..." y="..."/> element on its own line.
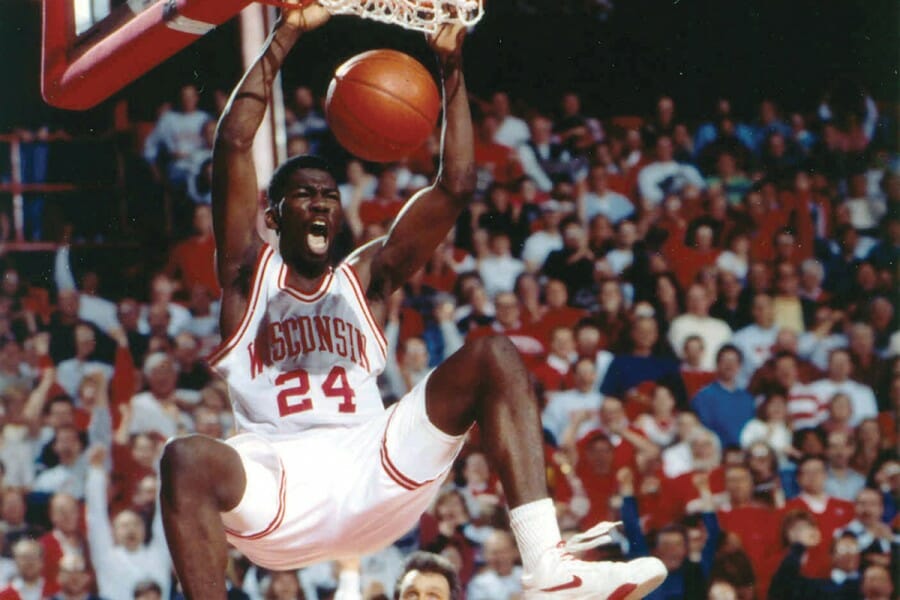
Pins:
<point x="708" y="312"/>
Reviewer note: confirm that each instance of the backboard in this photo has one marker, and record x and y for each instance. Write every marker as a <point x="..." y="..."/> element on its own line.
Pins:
<point x="93" y="48"/>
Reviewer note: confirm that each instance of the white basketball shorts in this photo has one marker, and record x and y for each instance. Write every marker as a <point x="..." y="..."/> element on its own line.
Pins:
<point x="333" y="492"/>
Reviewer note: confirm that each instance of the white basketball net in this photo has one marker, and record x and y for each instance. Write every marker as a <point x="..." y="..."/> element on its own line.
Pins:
<point x="421" y="15"/>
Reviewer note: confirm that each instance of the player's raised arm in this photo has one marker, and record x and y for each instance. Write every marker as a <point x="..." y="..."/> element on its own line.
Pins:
<point x="234" y="186"/>
<point x="429" y="215"/>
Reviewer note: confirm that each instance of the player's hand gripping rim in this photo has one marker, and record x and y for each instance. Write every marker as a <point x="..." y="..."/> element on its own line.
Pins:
<point x="302" y="15"/>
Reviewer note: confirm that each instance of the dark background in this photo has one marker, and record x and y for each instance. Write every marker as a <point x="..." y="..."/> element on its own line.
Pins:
<point x="693" y="49"/>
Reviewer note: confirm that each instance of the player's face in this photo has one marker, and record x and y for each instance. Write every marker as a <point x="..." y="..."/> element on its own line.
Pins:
<point x="309" y="215"/>
<point x="424" y="586"/>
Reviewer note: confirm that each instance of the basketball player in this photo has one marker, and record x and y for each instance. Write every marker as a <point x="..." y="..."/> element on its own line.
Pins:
<point x="319" y="469"/>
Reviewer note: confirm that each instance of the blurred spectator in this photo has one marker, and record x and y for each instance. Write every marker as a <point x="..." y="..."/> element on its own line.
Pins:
<point x="877" y="583"/>
<point x="573" y="264"/>
<point x="599" y="199"/>
<point x="303" y="119"/>
<point x="199" y="180"/>
<point x="177" y="135"/>
<point x="69" y="475"/>
<point x="72" y="371"/>
<point x="561" y="407"/>
<point x="862" y="399"/>
<point x="159" y="408"/>
<point x="511" y="130"/>
<point x="769" y="427"/>
<point x="557" y="372"/>
<point x="873" y="534"/>
<point x="841" y="582"/>
<point x="755" y="341"/>
<point x="665" y="176"/>
<point x="696" y="321"/>
<point x="545" y="240"/>
<point x="121" y="553"/>
<point x="501" y="579"/>
<point x="64" y="539"/>
<point x="28" y="583"/>
<point x="75" y="580"/>
<point x="543" y="160"/>
<point x="496" y="162"/>
<point x="499" y="269"/>
<point x="842" y="481"/>
<point x="830" y="513"/>
<point x="192" y="261"/>
<point x="162" y="316"/>
<point x="723" y="406"/>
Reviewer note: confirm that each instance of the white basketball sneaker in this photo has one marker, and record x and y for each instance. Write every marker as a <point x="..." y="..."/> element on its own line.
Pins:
<point x="559" y="575"/>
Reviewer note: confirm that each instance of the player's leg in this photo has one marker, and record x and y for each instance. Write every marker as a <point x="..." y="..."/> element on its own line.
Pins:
<point x="485" y="382"/>
<point x="200" y="478"/>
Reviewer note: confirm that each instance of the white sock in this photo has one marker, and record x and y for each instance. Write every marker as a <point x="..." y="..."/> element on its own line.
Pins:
<point x="536" y="529"/>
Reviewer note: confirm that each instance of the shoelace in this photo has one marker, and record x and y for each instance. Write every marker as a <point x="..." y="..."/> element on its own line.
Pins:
<point x="593" y="537"/>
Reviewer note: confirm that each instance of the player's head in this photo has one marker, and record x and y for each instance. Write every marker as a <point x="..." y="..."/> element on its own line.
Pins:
<point x="305" y="210"/>
<point x="427" y="575"/>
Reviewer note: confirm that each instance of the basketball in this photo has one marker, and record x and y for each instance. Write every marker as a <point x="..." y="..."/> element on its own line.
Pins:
<point x="382" y="105"/>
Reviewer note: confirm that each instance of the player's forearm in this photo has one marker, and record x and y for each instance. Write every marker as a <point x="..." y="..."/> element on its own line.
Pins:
<point x="247" y="105"/>
<point x="457" y="175"/>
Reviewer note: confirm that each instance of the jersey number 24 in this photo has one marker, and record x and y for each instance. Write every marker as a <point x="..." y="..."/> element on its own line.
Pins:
<point x="334" y="386"/>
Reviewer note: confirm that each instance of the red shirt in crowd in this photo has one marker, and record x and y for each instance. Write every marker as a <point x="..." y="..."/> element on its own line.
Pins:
<point x="830" y="517"/>
<point x="379" y="210"/>
<point x="194" y="260"/>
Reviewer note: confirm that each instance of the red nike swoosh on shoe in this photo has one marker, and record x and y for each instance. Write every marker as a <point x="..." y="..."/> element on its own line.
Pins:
<point x="622" y="591"/>
<point x="576" y="582"/>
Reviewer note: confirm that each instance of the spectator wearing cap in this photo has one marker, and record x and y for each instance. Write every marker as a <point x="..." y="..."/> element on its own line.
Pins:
<point x="545" y="240"/>
<point x="724" y="406"/>
<point x="830" y="513"/>
<point x="666" y="176"/>
<point x="599" y="199"/>
<point x="696" y="321"/>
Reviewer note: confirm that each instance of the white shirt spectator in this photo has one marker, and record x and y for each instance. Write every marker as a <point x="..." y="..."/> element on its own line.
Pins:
<point x="777" y="435"/>
<point x="98" y="311"/>
<point x="862" y="399"/>
<point x="179" y="320"/>
<point x="63" y="479"/>
<point x="613" y="205"/>
<point x="538" y="246"/>
<point x="180" y="133"/>
<point x="149" y="415"/>
<point x="619" y="259"/>
<point x="499" y="273"/>
<point x="733" y="263"/>
<point x="118" y="569"/>
<point x="561" y="405"/>
<point x="755" y="344"/>
<point x="512" y="132"/>
<point x="674" y="174"/>
<point x="71" y="371"/>
<point x="846" y="487"/>
<point x="489" y="585"/>
<point x="715" y="334"/>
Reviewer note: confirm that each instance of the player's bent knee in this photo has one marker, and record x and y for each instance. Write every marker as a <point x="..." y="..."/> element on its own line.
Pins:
<point x="197" y="464"/>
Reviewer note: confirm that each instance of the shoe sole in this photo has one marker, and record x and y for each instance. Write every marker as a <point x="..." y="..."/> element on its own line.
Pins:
<point x="634" y="594"/>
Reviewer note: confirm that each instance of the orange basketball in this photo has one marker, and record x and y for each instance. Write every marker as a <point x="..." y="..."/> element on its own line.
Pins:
<point x="382" y="105"/>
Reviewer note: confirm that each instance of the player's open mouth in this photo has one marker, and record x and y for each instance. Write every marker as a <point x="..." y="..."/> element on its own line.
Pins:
<point x="317" y="238"/>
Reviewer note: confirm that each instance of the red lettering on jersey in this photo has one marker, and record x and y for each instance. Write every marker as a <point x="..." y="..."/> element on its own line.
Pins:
<point x="340" y="345"/>
<point x="290" y="335"/>
<point x="363" y="355"/>
<point x="277" y="348"/>
<point x="256" y="363"/>
<point x="306" y="335"/>
<point x="351" y="341"/>
<point x="323" y="330"/>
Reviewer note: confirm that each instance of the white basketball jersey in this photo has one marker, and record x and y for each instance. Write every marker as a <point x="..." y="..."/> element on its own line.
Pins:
<point x="299" y="360"/>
